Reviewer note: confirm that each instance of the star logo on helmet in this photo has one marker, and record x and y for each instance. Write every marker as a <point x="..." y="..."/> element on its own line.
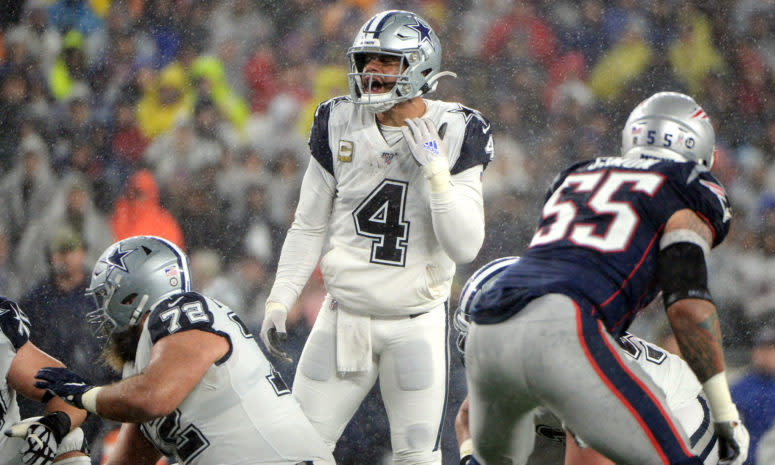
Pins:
<point x="116" y="259"/>
<point x="423" y="30"/>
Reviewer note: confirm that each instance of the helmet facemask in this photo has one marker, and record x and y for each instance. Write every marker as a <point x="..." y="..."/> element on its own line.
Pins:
<point x="403" y="35"/>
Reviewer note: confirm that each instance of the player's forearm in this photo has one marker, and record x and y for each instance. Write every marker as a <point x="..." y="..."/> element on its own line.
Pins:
<point x="299" y="256"/>
<point x="304" y="241"/>
<point x="696" y="327"/>
<point x="458" y="216"/>
<point x="133" y="400"/>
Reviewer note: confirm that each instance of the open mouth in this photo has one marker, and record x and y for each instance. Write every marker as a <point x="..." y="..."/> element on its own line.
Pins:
<point x="376" y="86"/>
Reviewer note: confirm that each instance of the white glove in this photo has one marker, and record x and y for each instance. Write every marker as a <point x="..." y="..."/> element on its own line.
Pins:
<point x="41" y="436"/>
<point x="273" y="329"/>
<point x="429" y="150"/>
<point x="733" y="442"/>
<point x="73" y="441"/>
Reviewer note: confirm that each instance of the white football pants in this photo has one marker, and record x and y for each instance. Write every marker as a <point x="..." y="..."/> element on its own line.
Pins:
<point x="410" y="357"/>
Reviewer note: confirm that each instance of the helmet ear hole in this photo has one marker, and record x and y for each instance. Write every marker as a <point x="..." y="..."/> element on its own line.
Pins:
<point x="129" y="299"/>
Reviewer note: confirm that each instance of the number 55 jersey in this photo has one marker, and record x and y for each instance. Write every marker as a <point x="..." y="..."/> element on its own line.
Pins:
<point x="241" y="412"/>
<point x="598" y="237"/>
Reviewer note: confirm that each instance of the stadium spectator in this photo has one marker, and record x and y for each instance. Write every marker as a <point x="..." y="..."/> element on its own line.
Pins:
<point x="168" y="100"/>
<point x="57" y="306"/>
<point x="28" y="187"/>
<point x="138" y="212"/>
<point x="71" y="205"/>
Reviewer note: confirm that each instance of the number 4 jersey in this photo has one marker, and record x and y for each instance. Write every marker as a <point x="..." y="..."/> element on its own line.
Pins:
<point x="241" y="412"/>
<point x="598" y="237"/>
<point x="381" y="254"/>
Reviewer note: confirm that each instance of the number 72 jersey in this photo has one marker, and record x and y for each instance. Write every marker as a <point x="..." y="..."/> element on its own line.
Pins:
<point x="598" y="236"/>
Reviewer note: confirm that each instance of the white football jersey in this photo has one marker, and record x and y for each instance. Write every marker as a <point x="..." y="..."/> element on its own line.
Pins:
<point x="241" y="412"/>
<point x="381" y="255"/>
<point x="14" y="333"/>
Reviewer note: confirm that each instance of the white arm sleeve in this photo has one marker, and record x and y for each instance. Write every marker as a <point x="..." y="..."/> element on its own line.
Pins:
<point x="458" y="216"/>
<point x="304" y="242"/>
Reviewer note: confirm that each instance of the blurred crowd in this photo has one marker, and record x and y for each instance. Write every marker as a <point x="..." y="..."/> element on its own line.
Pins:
<point x="188" y="119"/>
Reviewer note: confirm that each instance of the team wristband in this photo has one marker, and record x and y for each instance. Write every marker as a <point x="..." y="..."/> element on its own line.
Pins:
<point x="89" y="399"/>
<point x="721" y="406"/>
<point x="466" y="450"/>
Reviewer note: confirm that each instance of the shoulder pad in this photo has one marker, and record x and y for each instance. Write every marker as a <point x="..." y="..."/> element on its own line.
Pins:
<point x="14" y="323"/>
<point x="319" y="145"/>
<point x="477" y="147"/>
<point x="180" y="313"/>
<point x="699" y="190"/>
<point x="557" y="181"/>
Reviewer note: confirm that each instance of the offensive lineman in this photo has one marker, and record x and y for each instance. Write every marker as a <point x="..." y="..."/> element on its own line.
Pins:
<point x="196" y="385"/>
<point x="614" y="232"/>
<point x="392" y="196"/>
<point x="683" y="392"/>
<point x="36" y="440"/>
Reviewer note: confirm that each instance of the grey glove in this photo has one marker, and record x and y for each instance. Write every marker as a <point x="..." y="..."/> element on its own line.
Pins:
<point x="273" y="329"/>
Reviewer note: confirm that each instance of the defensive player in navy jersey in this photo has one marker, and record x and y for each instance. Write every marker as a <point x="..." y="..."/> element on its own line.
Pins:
<point x="553" y="445"/>
<point x="196" y="385"/>
<point x="613" y="233"/>
<point x="391" y="201"/>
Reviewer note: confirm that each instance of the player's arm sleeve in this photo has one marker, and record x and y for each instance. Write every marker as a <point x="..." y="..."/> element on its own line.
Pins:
<point x="304" y="241"/>
<point x="458" y="215"/>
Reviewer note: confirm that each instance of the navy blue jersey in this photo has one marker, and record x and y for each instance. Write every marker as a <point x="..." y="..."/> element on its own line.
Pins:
<point x="598" y="237"/>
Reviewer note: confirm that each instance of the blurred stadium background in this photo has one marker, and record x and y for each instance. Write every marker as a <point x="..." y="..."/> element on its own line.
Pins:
<point x="188" y="119"/>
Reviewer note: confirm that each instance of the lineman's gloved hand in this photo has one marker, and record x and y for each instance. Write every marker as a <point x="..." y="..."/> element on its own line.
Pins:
<point x="733" y="442"/>
<point x="64" y="383"/>
<point x="429" y="150"/>
<point x="273" y="329"/>
<point x="41" y="436"/>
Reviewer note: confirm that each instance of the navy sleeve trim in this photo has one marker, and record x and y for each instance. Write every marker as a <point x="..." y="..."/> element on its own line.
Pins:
<point x="180" y="313"/>
<point x="477" y="147"/>
<point x="319" y="144"/>
<point x="14" y="323"/>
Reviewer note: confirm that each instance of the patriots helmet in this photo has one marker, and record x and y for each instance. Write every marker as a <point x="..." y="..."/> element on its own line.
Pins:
<point x="670" y="125"/>
<point x="482" y="279"/>
<point x="133" y="275"/>
<point x="401" y="34"/>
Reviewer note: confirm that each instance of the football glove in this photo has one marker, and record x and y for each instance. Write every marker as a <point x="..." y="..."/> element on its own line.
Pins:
<point x="41" y="437"/>
<point x="63" y="383"/>
<point x="733" y="442"/>
<point x="273" y="329"/>
<point x="428" y="149"/>
<point x="73" y="441"/>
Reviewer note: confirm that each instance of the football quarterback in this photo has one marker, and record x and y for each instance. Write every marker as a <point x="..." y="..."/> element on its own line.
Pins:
<point x="390" y="202"/>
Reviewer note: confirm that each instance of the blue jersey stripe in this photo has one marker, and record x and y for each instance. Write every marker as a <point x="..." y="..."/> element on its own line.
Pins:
<point x="630" y="390"/>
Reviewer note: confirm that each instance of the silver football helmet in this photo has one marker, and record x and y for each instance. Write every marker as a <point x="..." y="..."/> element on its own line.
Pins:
<point x="401" y="34"/>
<point x="670" y="125"/>
<point x="133" y="275"/>
<point x="482" y="278"/>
